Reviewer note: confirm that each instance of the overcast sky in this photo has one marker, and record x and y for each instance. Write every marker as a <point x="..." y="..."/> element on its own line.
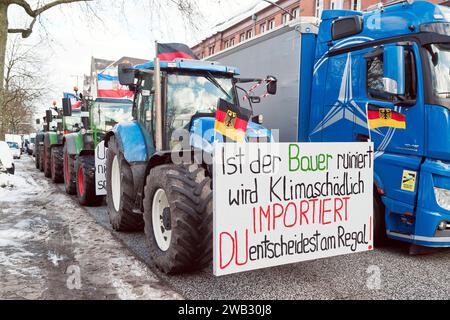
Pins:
<point x="73" y="38"/>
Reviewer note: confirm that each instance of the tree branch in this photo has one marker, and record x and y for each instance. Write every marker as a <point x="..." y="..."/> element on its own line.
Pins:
<point x="36" y="12"/>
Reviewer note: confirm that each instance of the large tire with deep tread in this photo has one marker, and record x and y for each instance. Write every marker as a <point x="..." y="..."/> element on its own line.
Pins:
<point x="36" y="158"/>
<point x="57" y="164"/>
<point x="47" y="160"/>
<point x="85" y="182"/>
<point x="189" y="194"/>
<point x="69" y="172"/>
<point x="122" y="218"/>
<point x="379" y="223"/>
<point x="41" y="158"/>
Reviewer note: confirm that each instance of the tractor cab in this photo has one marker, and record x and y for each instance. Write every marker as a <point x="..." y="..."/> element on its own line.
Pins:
<point x="190" y="92"/>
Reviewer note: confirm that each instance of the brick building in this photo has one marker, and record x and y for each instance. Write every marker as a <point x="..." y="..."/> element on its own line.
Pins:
<point x="264" y="17"/>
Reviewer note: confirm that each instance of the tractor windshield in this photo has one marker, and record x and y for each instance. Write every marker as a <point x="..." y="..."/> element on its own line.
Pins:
<point x="72" y="123"/>
<point x="107" y="115"/>
<point x="188" y="95"/>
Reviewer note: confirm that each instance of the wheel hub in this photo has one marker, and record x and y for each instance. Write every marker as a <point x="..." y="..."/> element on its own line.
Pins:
<point x="161" y="220"/>
<point x="166" y="219"/>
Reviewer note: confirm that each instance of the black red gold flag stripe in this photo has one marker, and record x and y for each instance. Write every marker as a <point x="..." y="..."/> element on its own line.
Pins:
<point x="231" y="121"/>
<point x="172" y="51"/>
<point x="385" y="117"/>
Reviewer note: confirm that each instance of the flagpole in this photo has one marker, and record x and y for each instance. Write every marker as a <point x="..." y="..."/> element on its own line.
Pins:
<point x="157" y="82"/>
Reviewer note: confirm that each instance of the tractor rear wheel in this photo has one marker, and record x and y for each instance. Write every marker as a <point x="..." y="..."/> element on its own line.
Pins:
<point x="178" y="217"/>
<point x="41" y="158"/>
<point x="47" y="161"/>
<point x="85" y="182"/>
<point x="57" y="164"/>
<point x="69" y="172"/>
<point x="120" y="191"/>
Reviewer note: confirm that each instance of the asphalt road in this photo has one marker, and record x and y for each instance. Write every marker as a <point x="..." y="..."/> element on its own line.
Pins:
<point x="386" y="273"/>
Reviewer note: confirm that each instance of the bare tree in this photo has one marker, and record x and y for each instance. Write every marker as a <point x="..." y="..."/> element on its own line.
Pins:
<point x="24" y="85"/>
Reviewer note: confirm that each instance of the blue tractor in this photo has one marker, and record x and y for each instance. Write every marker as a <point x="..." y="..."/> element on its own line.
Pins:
<point x="158" y="175"/>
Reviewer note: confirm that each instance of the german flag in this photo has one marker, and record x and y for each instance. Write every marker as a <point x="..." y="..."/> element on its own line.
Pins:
<point x="172" y="51"/>
<point x="231" y="121"/>
<point x="383" y="117"/>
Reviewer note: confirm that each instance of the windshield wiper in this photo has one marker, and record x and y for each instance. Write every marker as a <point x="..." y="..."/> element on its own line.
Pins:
<point x="214" y="81"/>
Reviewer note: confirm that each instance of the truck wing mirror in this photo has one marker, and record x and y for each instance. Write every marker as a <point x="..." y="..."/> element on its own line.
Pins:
<point x="394" y="69"/>
<point x="67" y="107"/>
<point x="126" y="74"/>
<point x="48" y="116"/>
<point x="272" y="85"/>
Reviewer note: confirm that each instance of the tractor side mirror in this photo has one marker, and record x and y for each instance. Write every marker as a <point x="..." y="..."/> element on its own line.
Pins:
<point x="126" y="74"/>
<point x="67" y="107"/>
<point x="272" y="85"/>
<point x="394" y="69"/>
<point x="48" y="116"/>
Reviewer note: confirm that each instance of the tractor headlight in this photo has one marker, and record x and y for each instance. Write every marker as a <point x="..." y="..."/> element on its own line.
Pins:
<point x="443" y="198"/>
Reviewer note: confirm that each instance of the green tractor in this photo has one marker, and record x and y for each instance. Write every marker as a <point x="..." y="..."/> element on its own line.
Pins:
<point x="53" y="142"/>
<point x="84" y="153"/>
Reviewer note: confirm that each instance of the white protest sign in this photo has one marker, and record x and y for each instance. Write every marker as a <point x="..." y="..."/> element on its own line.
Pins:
<point x="283" y="203"/>
<point x="100" y="169"/>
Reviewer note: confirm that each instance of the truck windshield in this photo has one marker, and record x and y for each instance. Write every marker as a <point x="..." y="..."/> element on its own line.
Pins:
<point x="107" y="115"/>
<point x="191" y="94"/>
<point x="439" y="58"/>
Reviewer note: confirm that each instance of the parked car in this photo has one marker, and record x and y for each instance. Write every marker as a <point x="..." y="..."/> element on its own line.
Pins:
<point x="6" y="158"/>
<point x="15" y="149"/>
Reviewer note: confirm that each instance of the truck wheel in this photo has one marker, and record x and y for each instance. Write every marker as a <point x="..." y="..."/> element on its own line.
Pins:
<point x="69" y="173"/>
<point x="85" y="182"/>
<point x="41" y="158"/>
<point x="379" y="223"/>
<point x="178" y="218"/>
<point x="57" y="164"/>
<point x="120" y="191"/>
<point x="47" y="161"/>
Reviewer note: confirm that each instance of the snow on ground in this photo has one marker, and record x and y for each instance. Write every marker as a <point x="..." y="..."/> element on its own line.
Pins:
<point x="51" y="248"/>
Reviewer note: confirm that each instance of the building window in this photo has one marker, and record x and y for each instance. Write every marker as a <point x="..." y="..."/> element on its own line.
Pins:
<point x="248" y="34"/>
<point x="319" y="8"/>
<point x="286" y="18"/>
<point x="262" y="27"/>
<point x="271" y="24"/>
<point x="356" y="5"/>
<point x="232" y="42"/>
<point x="211" y="50"/>
<point x="296" y="13"/>
<point x="242" y="37"/>
<point x="336" y="4"/>
<point x="227" y="44"/>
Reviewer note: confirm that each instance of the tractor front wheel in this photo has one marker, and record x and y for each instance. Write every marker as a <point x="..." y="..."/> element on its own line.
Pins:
<point x="47" y="161"/>
<point x="178" y="218"/>
<point x="69" y="172"/>
<point x="120" y="191"/>
<point x="85" y="182"/>
<point x="57" y="164"/>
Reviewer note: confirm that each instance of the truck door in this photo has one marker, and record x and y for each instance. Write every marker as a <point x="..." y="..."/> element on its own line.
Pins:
<point x="395" y="123"/>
